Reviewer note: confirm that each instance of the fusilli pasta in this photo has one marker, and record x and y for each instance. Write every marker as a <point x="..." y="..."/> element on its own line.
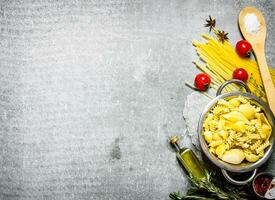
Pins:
<point x="237" y="126"/>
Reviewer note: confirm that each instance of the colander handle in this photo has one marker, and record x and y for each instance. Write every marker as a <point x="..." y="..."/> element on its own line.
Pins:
<point x="235" y="182"/>
<point x="219" y="91"/>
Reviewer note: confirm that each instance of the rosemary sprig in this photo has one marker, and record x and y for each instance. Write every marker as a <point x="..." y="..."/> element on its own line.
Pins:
<point x="207" y="189"/>
<point x="177" y="196"/>
<point x="210" y="187"/>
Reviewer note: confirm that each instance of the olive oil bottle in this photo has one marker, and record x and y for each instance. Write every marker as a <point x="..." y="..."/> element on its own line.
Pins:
<point x="188" y="159"/>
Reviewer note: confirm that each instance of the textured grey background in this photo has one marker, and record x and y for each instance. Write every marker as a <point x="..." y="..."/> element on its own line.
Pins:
<point x="91" y="90"/>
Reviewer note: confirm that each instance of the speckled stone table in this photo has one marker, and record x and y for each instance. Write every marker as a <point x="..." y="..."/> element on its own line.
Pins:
<point x="90" y="91"/>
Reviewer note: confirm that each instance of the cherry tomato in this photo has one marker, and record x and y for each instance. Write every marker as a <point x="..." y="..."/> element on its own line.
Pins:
<point x="202" y="81"/>
<point x="240" y="74"/>
<point x="243" y="48"/>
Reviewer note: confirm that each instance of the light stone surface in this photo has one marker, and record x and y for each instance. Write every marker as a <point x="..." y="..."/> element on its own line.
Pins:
<point x="90" y="91"/>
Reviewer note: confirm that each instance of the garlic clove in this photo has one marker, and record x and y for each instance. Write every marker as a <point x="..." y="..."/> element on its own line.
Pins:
<point x="233" y="156"/>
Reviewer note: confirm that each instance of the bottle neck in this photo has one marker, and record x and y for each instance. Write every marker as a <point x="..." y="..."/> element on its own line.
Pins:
<point x="178" y="147"/>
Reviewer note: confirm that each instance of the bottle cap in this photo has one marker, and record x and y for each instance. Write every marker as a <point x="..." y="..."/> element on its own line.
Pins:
<point x="174" y="139"/>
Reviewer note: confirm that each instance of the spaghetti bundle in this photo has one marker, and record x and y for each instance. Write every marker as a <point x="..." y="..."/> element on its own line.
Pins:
<point x="221" y="61"/>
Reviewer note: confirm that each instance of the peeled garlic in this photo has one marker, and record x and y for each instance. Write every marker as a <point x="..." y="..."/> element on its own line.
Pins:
<point x="233" y="156"/>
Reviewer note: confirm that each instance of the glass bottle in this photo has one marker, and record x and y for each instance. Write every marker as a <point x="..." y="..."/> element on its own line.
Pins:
<point x="188" y="159"/>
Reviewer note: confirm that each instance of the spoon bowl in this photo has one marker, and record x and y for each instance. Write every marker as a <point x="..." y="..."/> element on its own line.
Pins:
<point x="257" y="39"/>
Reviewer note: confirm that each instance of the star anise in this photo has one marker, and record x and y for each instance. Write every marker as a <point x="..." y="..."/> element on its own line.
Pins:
<point x="211" y="23"/>
<point x="222" y="36"/>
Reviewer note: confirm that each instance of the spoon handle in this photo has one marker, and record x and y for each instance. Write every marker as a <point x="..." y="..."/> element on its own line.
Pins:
<point x="266" y="78"/>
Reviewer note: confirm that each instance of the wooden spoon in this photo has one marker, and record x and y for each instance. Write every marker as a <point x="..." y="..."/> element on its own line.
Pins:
<point x="257" y="40"/>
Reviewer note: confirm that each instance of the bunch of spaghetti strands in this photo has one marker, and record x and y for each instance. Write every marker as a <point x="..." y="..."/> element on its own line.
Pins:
<point x="221" y="60"/>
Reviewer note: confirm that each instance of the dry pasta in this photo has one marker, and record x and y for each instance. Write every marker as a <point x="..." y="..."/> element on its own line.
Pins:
<point x="220" y="60"/>
<point x="236" y="130"/>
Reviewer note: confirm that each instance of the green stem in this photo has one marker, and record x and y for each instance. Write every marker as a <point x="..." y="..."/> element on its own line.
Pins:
<point x="208" y="185"/>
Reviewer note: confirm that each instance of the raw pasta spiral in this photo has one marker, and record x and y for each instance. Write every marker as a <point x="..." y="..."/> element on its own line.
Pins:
<point x="236" y="130"/>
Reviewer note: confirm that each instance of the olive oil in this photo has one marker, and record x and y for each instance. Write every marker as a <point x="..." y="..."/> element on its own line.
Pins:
<point x="189" y="160"/>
